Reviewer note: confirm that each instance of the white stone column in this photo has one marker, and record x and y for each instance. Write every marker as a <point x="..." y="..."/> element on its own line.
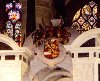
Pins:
<point x="97" y="54"/>
<point x="91" y="54"/>
<point x="75" y="54"/>
<point x="97" y="40"/>
<point x="3" y="57"/>
<point x="95" y="71"/>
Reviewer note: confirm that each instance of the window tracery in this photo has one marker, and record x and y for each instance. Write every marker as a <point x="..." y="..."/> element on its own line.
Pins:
<point x="85" y="18"/>
<point x="13" y="24"/>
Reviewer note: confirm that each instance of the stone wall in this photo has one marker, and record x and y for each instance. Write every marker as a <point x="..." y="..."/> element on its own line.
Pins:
<point x="83" y="70"/>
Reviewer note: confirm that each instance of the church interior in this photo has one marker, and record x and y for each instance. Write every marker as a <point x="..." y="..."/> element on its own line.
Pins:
<point x="49" y="40"/>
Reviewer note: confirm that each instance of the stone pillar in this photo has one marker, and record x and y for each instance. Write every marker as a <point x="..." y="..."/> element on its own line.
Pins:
<point x="97" y="40"/>
<point x="11" y="67"/>
<point x="91" y="54"/>
<point x="75" y="54"/>
<point x="42" y="12"/>
<point x="96" y="71"/>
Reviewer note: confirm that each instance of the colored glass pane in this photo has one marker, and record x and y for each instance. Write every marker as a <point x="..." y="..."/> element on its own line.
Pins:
<point x="9" y="6"/>
<point x="76" y="26"/>
<point x="9" y="29"/>
<point x="86" y="26"/>
<point x="17" y="29"/>
<point x="86" y="11"/>
<point x="91" y="20"/>
<point x="95" y="12"/>
<point x="92" y="4"/>
<point x="81" y="20"/>
<point x="18" y="6"/>
<point x="14" y="15"/>
<point x="18" y="32"/>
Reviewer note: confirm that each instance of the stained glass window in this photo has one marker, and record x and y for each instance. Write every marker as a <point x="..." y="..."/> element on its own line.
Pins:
<point x="85" y="18"/>
<point x="13" y="24"/>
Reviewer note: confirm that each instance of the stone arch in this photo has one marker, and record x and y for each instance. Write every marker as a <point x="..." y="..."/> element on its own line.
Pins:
<point x="85" y="37"/>
<point x="47" y="73"/>
<point x="8" y="41"/>
<point x="64" y="79"/>
<point x="69" y="75"/>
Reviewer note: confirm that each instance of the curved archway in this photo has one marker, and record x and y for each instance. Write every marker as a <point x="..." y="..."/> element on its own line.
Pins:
<point x="64" y="79"/>
<point x="10" y="42"/>
<point x="57" y="74"/>
<point x="84" y="37"/>
<point x="48" y="73"/>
